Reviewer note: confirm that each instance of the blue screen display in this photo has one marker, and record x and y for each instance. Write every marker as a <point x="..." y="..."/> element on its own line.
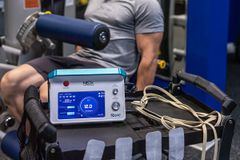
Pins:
<point x="89" y="104"/>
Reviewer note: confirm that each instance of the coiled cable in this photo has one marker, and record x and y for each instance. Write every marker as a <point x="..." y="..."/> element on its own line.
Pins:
<point x="203" y="120"/>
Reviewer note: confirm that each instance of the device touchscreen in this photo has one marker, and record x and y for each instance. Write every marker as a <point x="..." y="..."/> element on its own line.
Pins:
<point x="84" y="104"/>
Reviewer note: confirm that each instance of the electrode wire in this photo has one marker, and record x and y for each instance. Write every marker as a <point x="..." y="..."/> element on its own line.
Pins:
<point x="203" y="120"/>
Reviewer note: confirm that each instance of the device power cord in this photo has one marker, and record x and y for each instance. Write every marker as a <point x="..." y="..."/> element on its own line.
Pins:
<point x="203" y="120"/>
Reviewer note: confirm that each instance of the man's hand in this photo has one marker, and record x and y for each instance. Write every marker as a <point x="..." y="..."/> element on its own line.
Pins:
<point x="148" y="46"/>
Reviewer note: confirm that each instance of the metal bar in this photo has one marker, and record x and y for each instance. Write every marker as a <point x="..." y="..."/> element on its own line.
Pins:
<point x="226" y="140"/>
<point x="2" y="135"/>
<point x="11" y="50"/>
<point x="170" y="35"/>
<point x="7" y="66"/>
<point x="179" y="52"/>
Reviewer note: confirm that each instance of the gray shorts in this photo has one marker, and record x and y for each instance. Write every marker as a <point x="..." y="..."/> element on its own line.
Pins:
<point x="46" y="64"/>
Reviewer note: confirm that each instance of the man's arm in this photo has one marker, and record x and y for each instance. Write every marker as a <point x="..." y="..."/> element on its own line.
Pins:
<point x="148" y="46"/>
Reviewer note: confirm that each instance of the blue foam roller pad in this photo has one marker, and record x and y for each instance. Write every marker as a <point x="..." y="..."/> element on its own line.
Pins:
<point x="10" y="145"/>
<point x="75" y="31"/>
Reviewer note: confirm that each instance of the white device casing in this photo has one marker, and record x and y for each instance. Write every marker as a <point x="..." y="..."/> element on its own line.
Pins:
<point x="105" y="83"/>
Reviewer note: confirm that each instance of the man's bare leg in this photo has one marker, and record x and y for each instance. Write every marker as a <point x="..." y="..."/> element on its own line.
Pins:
<point x="13" y="85"/>
<point x="44" y="92"/>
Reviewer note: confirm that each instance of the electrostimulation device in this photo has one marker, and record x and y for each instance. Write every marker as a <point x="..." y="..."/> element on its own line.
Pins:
<point x="87" y="95"/>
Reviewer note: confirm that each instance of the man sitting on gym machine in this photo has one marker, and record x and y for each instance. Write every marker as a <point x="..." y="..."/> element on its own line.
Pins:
<point x="136" y="28"/>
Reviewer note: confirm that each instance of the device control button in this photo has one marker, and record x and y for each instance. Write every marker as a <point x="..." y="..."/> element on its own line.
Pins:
<point x="115" y="106"/>
<point x="115" y="91"/>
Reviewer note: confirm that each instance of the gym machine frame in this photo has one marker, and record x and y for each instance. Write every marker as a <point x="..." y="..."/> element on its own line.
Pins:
<point x="135" y="126"/>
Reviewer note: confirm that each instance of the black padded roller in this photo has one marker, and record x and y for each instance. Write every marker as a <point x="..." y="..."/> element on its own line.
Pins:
<point x="204" y="84"/>
<point x="36" y="115"/>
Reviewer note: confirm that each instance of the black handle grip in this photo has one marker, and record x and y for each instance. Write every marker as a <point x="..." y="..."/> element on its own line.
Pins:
<point x="209" y="87"/>
<point x="38" y="119"/>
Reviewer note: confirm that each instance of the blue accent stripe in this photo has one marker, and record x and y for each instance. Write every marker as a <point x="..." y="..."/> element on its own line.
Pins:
<point x="87" y="72"/>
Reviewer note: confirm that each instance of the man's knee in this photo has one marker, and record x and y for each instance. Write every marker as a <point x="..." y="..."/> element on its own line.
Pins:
<point x="9" y="84"/>
<point x="44" y="92"/>
<point x="44" y="97"/>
